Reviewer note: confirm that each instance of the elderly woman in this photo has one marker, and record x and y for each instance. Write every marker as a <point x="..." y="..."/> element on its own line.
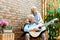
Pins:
<point x="37" y="15"/>
<point x="38" y="19"/>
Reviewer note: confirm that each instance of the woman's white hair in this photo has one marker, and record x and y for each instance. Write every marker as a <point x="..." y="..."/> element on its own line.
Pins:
<point x="30" y="15"/>
<point x="33" y="7"/>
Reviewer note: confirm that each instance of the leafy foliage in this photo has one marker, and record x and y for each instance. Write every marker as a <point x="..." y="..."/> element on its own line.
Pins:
<point x="52" y="13"/>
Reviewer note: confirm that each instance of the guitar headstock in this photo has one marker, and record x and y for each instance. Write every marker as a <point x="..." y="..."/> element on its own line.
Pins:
<point x="55" y="19"/>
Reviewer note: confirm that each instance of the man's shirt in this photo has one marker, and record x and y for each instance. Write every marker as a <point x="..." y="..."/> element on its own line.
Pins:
<point x="28" y="26"/>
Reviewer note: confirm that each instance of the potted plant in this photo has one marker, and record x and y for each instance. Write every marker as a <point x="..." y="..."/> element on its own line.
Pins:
<point x="3" y="25"/>
<point x="8" y="29"/>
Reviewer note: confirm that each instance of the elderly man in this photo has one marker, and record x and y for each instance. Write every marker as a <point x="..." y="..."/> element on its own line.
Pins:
<point x="31" y="23"/>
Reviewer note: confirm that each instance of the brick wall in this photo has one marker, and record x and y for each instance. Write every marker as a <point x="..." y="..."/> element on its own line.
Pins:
<point x="15" y="11"/>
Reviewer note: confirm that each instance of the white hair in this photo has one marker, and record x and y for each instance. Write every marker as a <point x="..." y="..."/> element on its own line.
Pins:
<point x="29" y="16"/>
<point x="33" y="7"/>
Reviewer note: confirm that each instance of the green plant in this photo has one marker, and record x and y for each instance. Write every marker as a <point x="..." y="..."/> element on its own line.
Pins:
<point x="51" y="14"/>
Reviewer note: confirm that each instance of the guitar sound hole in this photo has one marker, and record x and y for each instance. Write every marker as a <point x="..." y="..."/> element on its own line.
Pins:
<point x="38" y="31"/>
<point x="39" y="27"/>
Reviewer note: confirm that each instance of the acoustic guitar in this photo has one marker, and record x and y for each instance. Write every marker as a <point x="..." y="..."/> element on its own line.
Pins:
<point x="41" y="28"/>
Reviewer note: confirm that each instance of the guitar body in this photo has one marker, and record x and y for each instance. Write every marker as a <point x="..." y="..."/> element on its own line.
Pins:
<point x="42" y="29"/>
<point x="37" y="33"/>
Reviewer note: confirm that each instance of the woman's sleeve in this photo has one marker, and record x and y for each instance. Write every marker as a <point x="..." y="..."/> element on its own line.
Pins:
<point x="40" y="20"/>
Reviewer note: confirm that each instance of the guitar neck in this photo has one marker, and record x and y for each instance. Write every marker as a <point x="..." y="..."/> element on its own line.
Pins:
<point x="46" y="24"/>
<point x="50" y="22"/>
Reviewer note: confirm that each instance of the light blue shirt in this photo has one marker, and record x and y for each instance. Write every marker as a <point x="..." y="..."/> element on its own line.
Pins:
<point x="36" y="16"/>
<point x="26" y="28"/>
